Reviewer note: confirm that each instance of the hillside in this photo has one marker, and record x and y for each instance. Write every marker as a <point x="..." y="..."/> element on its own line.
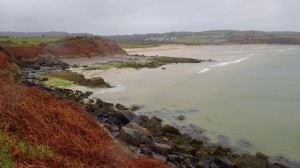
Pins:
<point x="68" y="47"/>
<point x="217" y="37"/>
<point x="31" y="119"/>
<point x="40" y="130"/>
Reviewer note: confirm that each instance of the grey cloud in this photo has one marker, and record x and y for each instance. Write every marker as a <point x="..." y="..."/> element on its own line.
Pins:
<point x="145" y="16"/>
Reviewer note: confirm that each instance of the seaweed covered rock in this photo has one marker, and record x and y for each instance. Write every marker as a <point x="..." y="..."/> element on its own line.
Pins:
<point x="79" y="78"/>
<point x="167" y="129"/>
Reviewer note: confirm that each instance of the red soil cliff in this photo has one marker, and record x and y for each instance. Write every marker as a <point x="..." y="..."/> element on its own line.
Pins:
<point x="83" y="46"/>
<point x="4" y="61"/>
<point x="26" y="52"/>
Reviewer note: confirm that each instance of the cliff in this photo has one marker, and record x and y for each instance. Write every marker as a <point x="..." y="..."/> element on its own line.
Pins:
<point x="81" y="47"/>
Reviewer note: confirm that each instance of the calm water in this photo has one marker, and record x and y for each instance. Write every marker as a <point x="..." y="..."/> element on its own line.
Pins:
<point x="251" y="94"/>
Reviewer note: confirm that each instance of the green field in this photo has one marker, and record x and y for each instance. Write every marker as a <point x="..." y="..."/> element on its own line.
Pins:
<point x="29" y="40"/>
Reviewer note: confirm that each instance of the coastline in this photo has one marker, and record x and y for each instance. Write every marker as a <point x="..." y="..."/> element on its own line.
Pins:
<point x="161" y="47"/>
<point x="211" y="153"/>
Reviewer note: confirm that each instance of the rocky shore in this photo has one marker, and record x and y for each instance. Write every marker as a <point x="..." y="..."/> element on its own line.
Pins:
<point x="148" y="137"/>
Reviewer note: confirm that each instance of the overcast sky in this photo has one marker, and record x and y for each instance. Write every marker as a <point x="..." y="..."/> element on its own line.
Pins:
<point x="107" y="17"/>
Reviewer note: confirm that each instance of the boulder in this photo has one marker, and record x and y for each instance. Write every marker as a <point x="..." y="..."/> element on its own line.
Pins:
<point x="224" y="163"/>
<point x="130" y="136"/>
<point x="132" y="133"/>
<point x="145" y="149"/>
<point x="261" y="156"/>
<point x="142" y="131"/>
<point x="170" y="130"/>
<point x="161" y="148"/>
<point x="181" y="117"/>
<point x="88" y="93"/>
<point x="159" y="157"/>
<point x="125" y="116"/>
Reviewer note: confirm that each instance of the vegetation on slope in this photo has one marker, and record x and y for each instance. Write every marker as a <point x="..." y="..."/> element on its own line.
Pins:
<point x="69" y="47"/>
<point x="58" y="133"/>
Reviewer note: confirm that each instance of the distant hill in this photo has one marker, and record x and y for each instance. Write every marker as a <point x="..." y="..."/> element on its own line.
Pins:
<point x="40" y="34"/>
<point x="214" y="37"/>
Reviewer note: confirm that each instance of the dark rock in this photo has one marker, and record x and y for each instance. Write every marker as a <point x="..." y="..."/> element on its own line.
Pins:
<point x="224" y="163"/>
<point x="44" y="79"/>
<point x="133" y="133"/>
<point x="142" y="131"/>
<point x="155" y="119"/>
<point x="170" y="130"/>
<point x="35" y="66"/>
<point x="125" y="116"/>
<point x="136" y="119"/>
<point x="197" y="142"/>
<point x="91" y="101"/>
<point x="174" y="158"/>
<point x="188" y="163"/>
<point x="186" y="148"/>
<point x="103" y="120"/>
<point x="160" y="148"/>
<point x="115" y="134"/>
<point x="181" y="117"/>
<point x="134" y="108"/>
<point x="115" y="128"/>
<point x="261" y="156"/>
<point x="213" y="165"/>
<point x="130" y="136"/>
<point x="120" y="106"/>
<point x="145" y="149"/>
<point x="166" y="141"/>
<point x="159" y="157"/>
<point x="251" y="162"/>
<point x="172" y="165"/>
<point x="88" y="93"/>
<point x="75" y="66"/>
<point x="147" y="140"/>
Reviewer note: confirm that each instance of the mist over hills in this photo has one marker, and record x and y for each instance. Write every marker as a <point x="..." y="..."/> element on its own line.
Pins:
<point x="213" y="37"/>
<point x="38" y="34"/>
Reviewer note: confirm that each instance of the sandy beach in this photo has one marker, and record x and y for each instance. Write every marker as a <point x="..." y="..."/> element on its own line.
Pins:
<point x="161" y="47"/>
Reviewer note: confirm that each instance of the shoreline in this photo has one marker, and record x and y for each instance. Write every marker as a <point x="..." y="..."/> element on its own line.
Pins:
<point x="186" y="151"/>
<point x="179" y="46"/>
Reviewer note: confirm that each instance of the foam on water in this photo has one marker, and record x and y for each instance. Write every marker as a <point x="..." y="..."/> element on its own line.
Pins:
<point x="224" y="64"/>
<point x="204" y="70"/>
<point x="117" y="88"/>
<point x="232" y="62"/>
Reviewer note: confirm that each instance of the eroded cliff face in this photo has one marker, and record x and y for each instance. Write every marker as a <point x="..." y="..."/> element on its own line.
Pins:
<point x="49" y="53"/>
<point x="24" y="52"/>
<point x="82" y="47"/>
<point x="67" y="48"/>
<point x="4" y="60"/>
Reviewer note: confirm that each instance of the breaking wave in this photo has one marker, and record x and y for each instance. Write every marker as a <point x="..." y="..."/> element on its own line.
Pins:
<point x="204" y="70"/>
<point x="223" y="64"/>
<point x="117" y="88"/>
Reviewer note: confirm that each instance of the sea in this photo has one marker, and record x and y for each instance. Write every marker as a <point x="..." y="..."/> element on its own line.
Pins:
<point x="249" y="99"/>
